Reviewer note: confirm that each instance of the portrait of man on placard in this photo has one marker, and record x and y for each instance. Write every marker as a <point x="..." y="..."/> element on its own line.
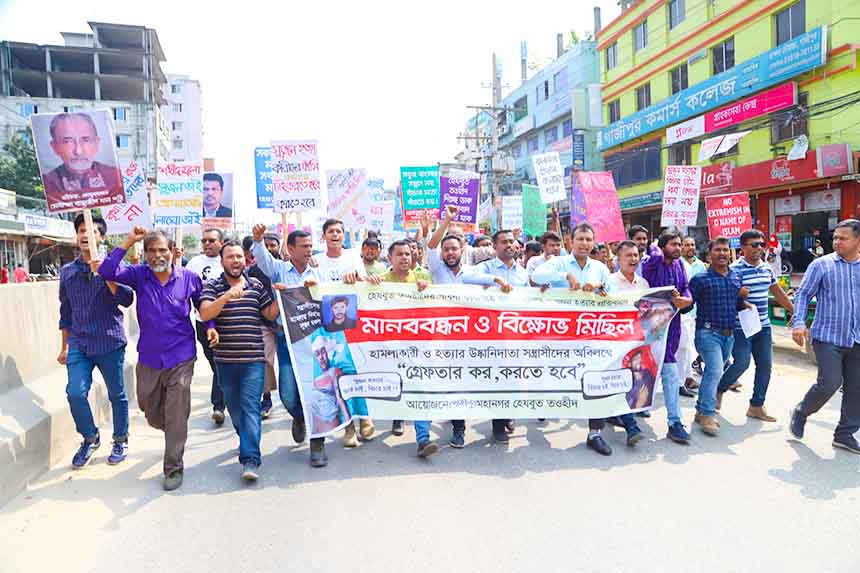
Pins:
<point x="77" y="159"/>
<point x="218" y="195"/>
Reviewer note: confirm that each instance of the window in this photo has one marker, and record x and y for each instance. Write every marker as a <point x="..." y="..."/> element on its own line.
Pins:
<point x="516" y="150"/>
<point x="567" y="128"/>
<point x="790" y="23"/>
<point x="636" y="165"/>
<point x="676" y="13"/>
<point x="681" y="154"/>
<point x="790" y="123"/>
<point x="177" y="108"/>
<point x="614" y="110"/>
<point x="175" y="88"/>
<point x="643" y="96"/>
<point x="724" y="56"/>
<point x="542" y="92"/>
<point x="612" y="56"/>
<point x="640" y="36"/>
<point x="679" y="78"/>
<point x="176" y="125"/>
<point x="70" y="108"/>
<point x="532" y="144"/>
<point x="120" y="114"/>
<point x="122" y="141"/>
<point x="177" y="144"/>
<point x="27" y="109"/>
<point x="550" y="135"/>
<point x="521" y="108"/>
<point x="559" y="81"/>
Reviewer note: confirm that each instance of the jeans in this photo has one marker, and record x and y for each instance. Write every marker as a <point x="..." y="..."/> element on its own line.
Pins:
<point x="627" y="420"/>
<point x="79" y="367"/>
<point x="714" y="349"/>
<point x="287" y="387"/>
<point x="837" y="366"/>
<point x="422" y="431"/>
<point x="243" y="385"/>
<point x="760" y="347"/>
<point x="216" y="396"/>
<point x="671" y="386"/>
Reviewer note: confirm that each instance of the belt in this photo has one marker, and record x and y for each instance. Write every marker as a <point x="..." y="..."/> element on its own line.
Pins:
<point x="720" y="331"/>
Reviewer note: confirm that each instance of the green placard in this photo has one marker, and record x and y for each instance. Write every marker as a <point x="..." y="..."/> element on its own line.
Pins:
<point x="420" y="187"/>
<point x="534" y="211"/>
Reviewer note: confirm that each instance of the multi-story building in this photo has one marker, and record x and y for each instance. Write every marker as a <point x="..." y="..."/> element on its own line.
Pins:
<point x="115" y="67"/>
<point x="677" y="73"/>
<point x="557" y="109"/>
<point x="183" y="114"/>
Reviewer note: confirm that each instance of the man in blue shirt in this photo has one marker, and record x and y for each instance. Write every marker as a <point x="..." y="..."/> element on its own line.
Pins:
<point x="504" y="272"/>
<point x="580" y="272"/>
<point x="758" y="278"/>
<point x="93" y="336"/>
<point x="834" y="281"/>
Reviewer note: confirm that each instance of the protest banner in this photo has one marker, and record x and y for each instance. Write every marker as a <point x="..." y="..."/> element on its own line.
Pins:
<point x="347" y="196"/>
<point x="602" y="209"/>
<point x="123" y="217"/>
<point x="263" y="176"/>
<point x="419" y="192"/>
<point x="460" y="189"/>
<point x="534" y="211"/>
<point x="76" y="154"/>
<point x="550" y="176"/>
<point x="681" y="196"/>
<point x="512" y="212"/>
<point x="484" y="210"/>
<point x="179" y="195"/>
<point x="728" y="215"/>
<point x="295" y="176"/>
<point x="218" y="200"/>
<point x="459" y="352"/>
<point x="577" y="202"/>
<point x="380" y="210"/>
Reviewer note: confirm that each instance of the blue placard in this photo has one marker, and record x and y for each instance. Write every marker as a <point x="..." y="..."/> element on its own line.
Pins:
<point x="772" y="67"/>
<point x="263" y="174"/>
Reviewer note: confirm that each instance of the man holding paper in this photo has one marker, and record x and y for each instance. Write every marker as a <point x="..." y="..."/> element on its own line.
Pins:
<point x="759" y="280"/>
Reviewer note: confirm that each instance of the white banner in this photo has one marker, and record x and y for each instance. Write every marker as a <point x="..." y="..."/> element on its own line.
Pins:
<point x="550" y="177"/>
<point x="686" y="130"/>
<point x="512" y="212"/>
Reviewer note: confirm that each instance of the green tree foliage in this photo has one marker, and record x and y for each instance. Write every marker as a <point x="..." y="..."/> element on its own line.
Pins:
<point x="19" y="170"/>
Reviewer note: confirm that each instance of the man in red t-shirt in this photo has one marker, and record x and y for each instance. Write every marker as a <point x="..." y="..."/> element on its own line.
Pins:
<point x="21" y="275"/>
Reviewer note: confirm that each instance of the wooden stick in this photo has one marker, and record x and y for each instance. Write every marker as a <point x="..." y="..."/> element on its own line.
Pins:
<point x="91" y="235"/>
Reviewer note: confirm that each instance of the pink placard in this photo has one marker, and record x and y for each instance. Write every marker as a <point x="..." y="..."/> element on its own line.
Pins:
<point x="601" y="205"/>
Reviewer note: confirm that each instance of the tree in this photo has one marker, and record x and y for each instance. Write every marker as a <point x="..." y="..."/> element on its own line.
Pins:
<point x="19" y="170"/>
<point x="189" y="243"/>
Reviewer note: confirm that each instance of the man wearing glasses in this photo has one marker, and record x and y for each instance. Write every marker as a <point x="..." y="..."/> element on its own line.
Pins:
<point x="758" y="278"/>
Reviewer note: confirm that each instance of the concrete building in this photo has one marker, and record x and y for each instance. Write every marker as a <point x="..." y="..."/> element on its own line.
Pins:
<point x="183" y="113"/>
<point x="115" y="67"/>
<point x="676" y="73"/>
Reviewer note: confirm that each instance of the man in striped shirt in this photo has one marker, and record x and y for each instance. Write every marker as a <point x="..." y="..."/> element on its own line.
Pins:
<point x="238" y="303"/>
<point x="834" y="281"/>
<point x="758" y="278"/>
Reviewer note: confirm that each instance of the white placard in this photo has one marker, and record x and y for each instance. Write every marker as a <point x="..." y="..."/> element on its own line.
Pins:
<point x="123" y="217"/>
<point x="296" y="176"/>
<point x="550" y="177"/>
<point x="512" y="212"/>
<point x="750" y="321"/>
<point x="681" y="188"/>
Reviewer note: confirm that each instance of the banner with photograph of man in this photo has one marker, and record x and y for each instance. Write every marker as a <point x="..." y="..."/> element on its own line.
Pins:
<point x="77" y="159"/>
<point x="457" y="352"/>
<point x="218" y="200"/>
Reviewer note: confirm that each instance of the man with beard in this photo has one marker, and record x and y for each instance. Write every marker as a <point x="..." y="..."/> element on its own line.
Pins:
<point x="340" y="320"/>
<point x="273" y="245"/>
<point x="238" y="303"/>
<point x="166" y="347"/>
<point x="759" y="280"/>
<point x="660" y="270"/>
<point x="504" y="272"/>
<point x="370" y="257"/>
<point x="206" y="265"/>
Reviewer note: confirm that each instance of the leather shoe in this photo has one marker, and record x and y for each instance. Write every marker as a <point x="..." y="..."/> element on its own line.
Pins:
<point x="349" y="439"/>
<point x="397" y="427"/>
<point x="847" y="443"/>
<point x="599" y="445"/>
<point x="709" y="424"/>
<point x="687" y="393"/>
<point x="759" y="413"/>
<point x="299" y="430"/>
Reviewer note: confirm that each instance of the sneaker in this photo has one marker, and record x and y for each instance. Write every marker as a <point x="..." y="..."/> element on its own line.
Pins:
<point x="118" y="453"/>
<point x="299" y="430"/>
<point x="847" y="443"/>
<point x="427" y="449"/>
<point x="250" y="471"/>
<point x="599" y="445"/>
<point x="458" y="440"/>
<point x="366" y="429"/>
<point x="218" y="417"/>
<point x="678" y="434"/>
<point x="798" y="421"/>
<point x="634" y="437"/>
<point x="173" y="480"/>
<point x="265" y="410"/>
<point x="85" y="453"/>
<point x="319" y="458"/>
<point x="349" y="439"/>
<point x="397" y="427"/>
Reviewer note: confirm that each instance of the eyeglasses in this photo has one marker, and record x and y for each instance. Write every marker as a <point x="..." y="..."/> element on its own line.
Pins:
<point x="208" y="240"/>
<point x="757" y="245"/>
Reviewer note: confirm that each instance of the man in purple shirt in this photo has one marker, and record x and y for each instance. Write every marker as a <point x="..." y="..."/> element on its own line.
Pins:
<point x="660" y="270"/>
<point x="93" y="337"/>
<point x="167" y="347"/>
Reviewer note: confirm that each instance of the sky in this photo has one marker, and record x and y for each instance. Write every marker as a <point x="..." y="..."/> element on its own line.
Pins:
<point x="378" y="84"/>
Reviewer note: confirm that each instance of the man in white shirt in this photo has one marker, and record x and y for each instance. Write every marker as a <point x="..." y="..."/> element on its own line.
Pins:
<point x="626" y="280"/>
<point x="207" y="265"/>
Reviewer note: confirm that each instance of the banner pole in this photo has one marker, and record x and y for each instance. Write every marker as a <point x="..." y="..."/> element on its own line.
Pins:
<point x="91" y="234"/>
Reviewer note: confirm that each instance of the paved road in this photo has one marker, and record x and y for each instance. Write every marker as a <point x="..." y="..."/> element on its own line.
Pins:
<point x="748" y="500"/>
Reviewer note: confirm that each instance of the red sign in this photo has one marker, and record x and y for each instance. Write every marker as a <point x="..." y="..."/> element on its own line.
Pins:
<point x="717" y="178"/>
<point x="776" y="99"/>
<point x="834" y="159"/>
<point x="775" y="172"/>
<point x="728" y="215"/>
<point x="783" y="224"/>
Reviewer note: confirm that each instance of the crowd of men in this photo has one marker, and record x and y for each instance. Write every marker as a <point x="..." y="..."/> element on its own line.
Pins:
<point x="229" y="289"/>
